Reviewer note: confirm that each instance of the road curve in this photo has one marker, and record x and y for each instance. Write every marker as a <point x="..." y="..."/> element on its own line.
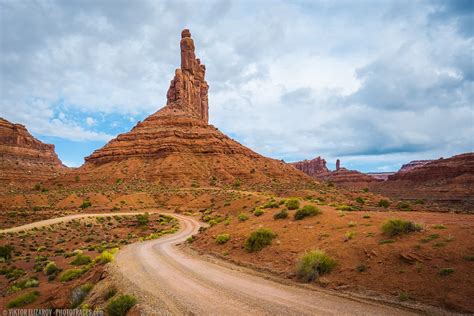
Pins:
<point x="178" y="283"/>
<point x="68" y="218"/>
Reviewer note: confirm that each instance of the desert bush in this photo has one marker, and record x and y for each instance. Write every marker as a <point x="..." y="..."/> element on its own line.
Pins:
<point x="404" y="206"/>
<point x="306" y="211"/>
<point x="242" y="217"/>
<point x="81" y="259"/>
<point x="393" y="227"/>
<point x="271" y="204"/>
<point x="79" y="294"/>
<point x="259" y="239"/>
<point x="50" y="268"/>
<point x="439" y="226"/>
<point x="292" y="204"/>
<point x="24" y="299"/>
<point x="110" y="293"/>
<point x="120" y="305"/>
<point x="104" y="257"/>
<point x="446" y="271"/>
<point x="349" y="235"/>
<point x="143" y="219"/>
<point x="348" y="208"/>
<point x="70" y="274"/>
<point x="281" y="215"/>
<point x="85" y="204"/>
<point x="383" y="203"/>
<point x="360" y="200"/>
<point x="361" y="267"/>
<point x="313" y="264"/>
<point x="222" y="239"/>
<point x="6" y="252"/>
<point x="258" y="212"/>
<point x="23" y="284"/>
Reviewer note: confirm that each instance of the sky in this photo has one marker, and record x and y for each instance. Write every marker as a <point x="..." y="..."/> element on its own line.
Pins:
<point x="373" y="83"/>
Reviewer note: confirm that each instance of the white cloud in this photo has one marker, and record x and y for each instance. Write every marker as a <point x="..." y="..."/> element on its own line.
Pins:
<point x="291" y="80"/>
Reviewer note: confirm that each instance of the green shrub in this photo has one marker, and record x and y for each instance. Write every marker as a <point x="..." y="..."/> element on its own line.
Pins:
<point x="404" y="206"/>
<point x="313" y="264"/>
<point x="361" y="267"/>
<point x="143" y="219"/>
<point x="446" y="271"/>
<point x="6" y="252"/>
<point x="348" y="208"/>
<point x="81" y="260"/>
<point x="292" y="204"/>
<point x="360" y="200"/>
<point x="281" y="215"/>
<point x="23" y="284"/>
<point x="439" y="226"/>
<point x="349" y="235"/>
<point x="271" y="204"/>
<point x="393" y="227"/>
<point x="50" y="268"/>
<point x="365" y="190"/>
<point x="110" y="293"/>
<point x="70" y="274"/>
<point x="469" y="257"/>
<point x="306" y="211"/>
<point x="383" y="203"/>
<point x="120" y="305"/>
<point x="104" y="257"/>
<point x="85" y="204"/>
<point x="222" y="239"/>
<point x="259" y="239"/>
<point x="258" y="212"/>
<point x="403" y="296"/>
<point x="23" y="300"/>
<point x="79" y="294"/>
<point x="242" y="217"/>
<point x="386" y="241"/>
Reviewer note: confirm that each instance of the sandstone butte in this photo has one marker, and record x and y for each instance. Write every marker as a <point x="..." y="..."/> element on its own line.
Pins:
<point x="317" y="169"/>
<point x="23" y="158"/>
<point x="176" y="146"/>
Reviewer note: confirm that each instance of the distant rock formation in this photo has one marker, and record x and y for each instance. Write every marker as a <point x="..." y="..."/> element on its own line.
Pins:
<point x="413" y="164"/>
<point x="177" y="147"/>
<point x="442" y="180"/>
<point x="315" y="167"/>
<point x="23" y="158"/>
<point x="380" y="175"/>
<point x="188" y="90"/>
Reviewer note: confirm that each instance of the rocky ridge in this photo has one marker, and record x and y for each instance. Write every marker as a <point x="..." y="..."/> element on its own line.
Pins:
<point x="23" y="158"/>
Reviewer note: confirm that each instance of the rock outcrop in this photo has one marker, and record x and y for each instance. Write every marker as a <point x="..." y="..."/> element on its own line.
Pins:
<point x="188" y="90"/>
<point x="315" y="168"/>
<point x="176" y="147"/>
<point x="23" y="158"/>
<point x="413" y="164"/>
<point x="449" y="181"/>
<point x="350" y="178"/>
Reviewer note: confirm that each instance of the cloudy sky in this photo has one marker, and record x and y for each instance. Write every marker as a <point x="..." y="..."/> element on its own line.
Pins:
<point x="374" y="83"/>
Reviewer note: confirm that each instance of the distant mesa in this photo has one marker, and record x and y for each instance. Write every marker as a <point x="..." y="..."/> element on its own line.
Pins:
<point x="25" y="159"/>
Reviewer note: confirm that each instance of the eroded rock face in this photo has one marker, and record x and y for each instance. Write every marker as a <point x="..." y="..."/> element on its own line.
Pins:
<point x="177" y="147"/>
<point x="413" y="164"/>
<point x="188" y="90"/>
<point x="315" y="167"/>
<point x="447" y="181"/>
<point x="23" y="158"/>
<point x="350" y="178"/>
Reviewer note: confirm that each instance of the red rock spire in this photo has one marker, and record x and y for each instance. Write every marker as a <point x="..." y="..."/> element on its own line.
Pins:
<point x="188" y="90"/>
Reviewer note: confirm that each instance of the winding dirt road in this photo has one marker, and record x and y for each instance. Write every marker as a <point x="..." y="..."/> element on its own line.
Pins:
<point x="170" y="281"/>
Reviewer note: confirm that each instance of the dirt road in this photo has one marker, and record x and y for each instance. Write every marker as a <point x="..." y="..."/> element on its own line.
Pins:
<point x="57" y="220"/>
<point x="170" y="281"/>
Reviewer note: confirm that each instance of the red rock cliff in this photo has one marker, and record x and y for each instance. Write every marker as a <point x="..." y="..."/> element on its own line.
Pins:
<point x="23" y="158"/>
